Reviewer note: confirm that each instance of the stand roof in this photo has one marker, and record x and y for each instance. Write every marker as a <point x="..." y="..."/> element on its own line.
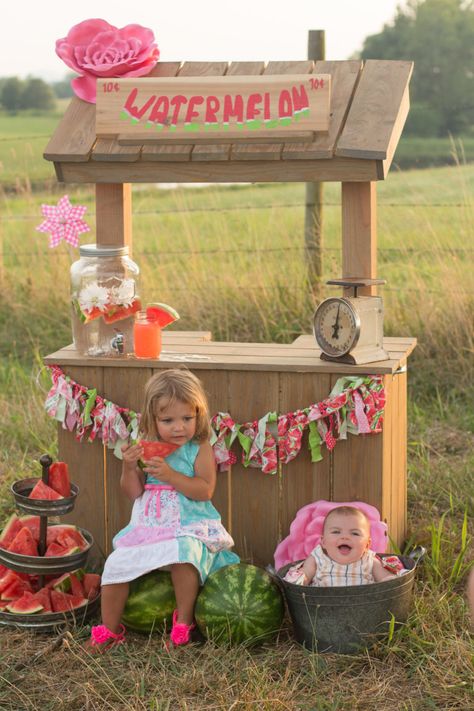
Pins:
<point x="369" y="106"/>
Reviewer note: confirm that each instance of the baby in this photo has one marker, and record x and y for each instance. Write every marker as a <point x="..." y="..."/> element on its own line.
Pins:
<point x="343" y="557"/>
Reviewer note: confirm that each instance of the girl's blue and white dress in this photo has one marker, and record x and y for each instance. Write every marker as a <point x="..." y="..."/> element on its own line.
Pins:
<point x="166" y="527"/>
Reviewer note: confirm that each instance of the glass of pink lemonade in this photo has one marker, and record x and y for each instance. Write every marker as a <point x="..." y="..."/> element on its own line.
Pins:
<point x="146" y="336"/>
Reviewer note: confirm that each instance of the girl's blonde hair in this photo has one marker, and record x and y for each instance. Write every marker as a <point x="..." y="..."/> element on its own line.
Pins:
<point x="169" y="386"/>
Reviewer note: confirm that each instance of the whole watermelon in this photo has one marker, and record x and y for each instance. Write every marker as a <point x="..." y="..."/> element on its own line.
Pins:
<point x="150" y="603"/>
<point x="239" y="603"/>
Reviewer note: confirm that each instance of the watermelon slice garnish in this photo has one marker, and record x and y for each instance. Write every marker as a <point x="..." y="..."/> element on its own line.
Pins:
<point x="115" y="312"/>
<point x="157" y="449"/>
<point x="162" y="313"/>
<point x="88" y="314"/>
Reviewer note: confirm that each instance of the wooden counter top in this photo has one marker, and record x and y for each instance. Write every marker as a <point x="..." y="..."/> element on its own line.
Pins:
<point x="196" y="350"/>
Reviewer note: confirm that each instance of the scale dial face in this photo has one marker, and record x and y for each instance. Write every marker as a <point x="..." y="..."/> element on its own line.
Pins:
<point x="336" y="326"/>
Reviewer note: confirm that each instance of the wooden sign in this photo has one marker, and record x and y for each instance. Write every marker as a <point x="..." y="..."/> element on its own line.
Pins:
<point x="213" y="109"/>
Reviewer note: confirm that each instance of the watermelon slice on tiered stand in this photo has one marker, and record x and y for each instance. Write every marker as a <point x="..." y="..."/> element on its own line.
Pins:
<point x="44" y="492"/>
<point x="62" y="602"/>
<point x="162" y="313"/>
<point x="58" y="478"/>
<point x="24" y="543"/>
<point x="12" y="527"/>
<point x="44" y="599"/>
<point x="27" y="604"/>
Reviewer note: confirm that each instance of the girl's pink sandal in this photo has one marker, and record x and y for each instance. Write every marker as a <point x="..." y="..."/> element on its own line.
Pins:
<point x="180" y="632"/>
<point x="102" y="639"/>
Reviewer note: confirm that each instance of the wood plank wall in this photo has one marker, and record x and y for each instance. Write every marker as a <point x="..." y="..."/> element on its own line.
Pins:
<point x="257" y="508"/>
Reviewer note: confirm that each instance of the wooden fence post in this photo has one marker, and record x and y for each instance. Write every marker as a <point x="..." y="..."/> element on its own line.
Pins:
<point x="314" y="191"/>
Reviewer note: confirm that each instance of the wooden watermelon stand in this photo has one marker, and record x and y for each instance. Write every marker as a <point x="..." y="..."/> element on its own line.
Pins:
<point x="369" y="105"/>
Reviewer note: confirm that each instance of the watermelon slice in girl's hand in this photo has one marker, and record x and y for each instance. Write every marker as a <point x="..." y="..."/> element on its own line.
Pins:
<point x="157" y="449"/>
<point x="162" y="313"/>
<point x="59" y="478"/>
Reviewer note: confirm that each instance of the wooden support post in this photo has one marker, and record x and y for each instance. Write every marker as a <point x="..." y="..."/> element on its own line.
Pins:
<point x="114" y="214"/>
<point x="314" y="191"/>
<point x="359" y="233"/>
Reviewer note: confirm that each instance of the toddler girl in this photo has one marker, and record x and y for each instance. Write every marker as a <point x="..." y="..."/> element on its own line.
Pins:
<point x="343" y="557"/>
<point x="173" y="521"/>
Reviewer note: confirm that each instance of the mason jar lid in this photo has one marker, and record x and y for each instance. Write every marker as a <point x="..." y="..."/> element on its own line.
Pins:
<point x="102" y="250"/>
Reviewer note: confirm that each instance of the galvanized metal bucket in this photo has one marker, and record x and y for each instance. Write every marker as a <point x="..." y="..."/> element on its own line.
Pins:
<point x="39" y="507"/>
<point x="346" y="619"/>
<point x="51" y="565"/>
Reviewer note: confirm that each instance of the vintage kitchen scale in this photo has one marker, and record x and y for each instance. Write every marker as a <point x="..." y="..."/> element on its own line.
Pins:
<point x="349" y="329"/>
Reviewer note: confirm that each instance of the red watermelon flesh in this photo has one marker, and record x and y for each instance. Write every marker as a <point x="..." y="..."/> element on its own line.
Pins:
<point x="76" y="586"/>
<point x="157" y="449"/>
<point x="44" y="599"/>
<point x="43" y="492"/>
<point x="91" y="585"/>
<point x="117" y="313"/>
<point x="71" y="537"/>
<point x="61" y="602"/>
<point x="55" y="530"/>
<point x="24" y="543"/>
<point x="33" y="523"/>
<point x="3" y="604"/>
<point x="55" y="549"/>
<point x="25" y="605"/>
<point x="59" y="478"/>
<point x="87" y="316"/>
<point x="12" y="527"/>
<point x="11" y="575"/>
<point x="8" y="579"/>
<point x="15" y="590"/>
<point x="162" y="313"/>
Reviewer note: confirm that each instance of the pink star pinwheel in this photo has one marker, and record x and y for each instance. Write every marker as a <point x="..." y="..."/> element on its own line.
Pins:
<point x="64" y="221"/>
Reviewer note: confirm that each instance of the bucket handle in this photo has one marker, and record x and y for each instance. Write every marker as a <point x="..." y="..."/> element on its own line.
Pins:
<point x="275" y="577"/>
<point x="417" y="554"/>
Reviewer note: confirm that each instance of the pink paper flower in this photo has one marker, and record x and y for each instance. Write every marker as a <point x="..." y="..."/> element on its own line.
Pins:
<point x="94" y="48"/>
<point x="64" y="221"/>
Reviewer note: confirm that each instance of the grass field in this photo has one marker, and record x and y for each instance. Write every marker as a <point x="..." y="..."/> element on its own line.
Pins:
<point x="216" y="254"/>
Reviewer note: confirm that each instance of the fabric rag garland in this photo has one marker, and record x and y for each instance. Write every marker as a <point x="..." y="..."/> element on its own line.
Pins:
<point x="88" y="414"/>
<point x="355" y="405"/>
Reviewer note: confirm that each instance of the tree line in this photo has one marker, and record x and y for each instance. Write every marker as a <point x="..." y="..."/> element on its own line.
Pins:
<point x="438" y="35"/>
<point x="32" y="93"/>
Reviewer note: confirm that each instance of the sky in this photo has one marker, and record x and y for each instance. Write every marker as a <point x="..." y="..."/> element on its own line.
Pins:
<point x="192" y="30"/>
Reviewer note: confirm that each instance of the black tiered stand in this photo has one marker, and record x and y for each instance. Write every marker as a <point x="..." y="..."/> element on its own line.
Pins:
<point x="41" y="565"/>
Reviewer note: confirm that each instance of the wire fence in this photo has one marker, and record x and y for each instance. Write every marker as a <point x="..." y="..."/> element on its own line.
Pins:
<point x="238" y="208"/>
<point x="385" y="253"/>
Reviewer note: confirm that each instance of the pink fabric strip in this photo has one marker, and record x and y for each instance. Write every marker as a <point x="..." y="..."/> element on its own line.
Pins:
<point x="156" y="489"/>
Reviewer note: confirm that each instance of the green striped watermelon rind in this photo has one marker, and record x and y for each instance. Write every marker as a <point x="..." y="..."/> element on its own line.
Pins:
<point x="239" y="604"/>
<point x="150" y="603"/>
